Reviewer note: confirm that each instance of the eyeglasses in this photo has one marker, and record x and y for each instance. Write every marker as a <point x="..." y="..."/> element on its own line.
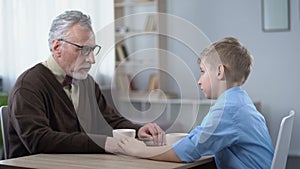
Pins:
<point x="85" y="50"/>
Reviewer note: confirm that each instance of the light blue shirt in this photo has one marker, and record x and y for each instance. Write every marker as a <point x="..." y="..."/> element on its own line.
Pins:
<point x="233" y="131"/>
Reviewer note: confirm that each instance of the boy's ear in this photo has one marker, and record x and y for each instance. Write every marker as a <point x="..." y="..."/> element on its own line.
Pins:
<point x="221" y="72"/>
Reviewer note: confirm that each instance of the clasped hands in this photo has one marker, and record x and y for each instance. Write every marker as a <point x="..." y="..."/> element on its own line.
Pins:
<point x="134" y="147"/>
<point x="152" y="131"/>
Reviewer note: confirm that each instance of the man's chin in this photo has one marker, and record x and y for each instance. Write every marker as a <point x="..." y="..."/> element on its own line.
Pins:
<point x="80" y="76"/>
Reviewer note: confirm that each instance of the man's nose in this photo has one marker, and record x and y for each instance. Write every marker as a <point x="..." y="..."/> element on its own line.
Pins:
<point x="91" y="58"/>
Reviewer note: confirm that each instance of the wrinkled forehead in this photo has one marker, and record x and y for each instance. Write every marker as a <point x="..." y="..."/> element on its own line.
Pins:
<point x="81" y="34"/>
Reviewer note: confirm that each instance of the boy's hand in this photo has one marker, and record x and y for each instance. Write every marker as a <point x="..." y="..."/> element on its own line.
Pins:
<point x="133" y="147"/>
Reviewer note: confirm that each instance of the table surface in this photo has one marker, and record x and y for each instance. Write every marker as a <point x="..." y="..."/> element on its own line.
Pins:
<point x="89" y="161"/>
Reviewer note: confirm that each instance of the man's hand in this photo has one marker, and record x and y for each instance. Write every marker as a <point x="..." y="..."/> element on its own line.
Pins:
<point x="133" y="147"/>
<point x="111" y="145"/>
<point x="152" y="131"/>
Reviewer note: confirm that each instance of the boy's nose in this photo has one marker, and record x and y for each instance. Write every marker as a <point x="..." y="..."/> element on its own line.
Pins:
<point x="199" y="82"/>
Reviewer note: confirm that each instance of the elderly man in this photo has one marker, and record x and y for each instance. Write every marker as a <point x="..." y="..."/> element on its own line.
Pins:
<point x="57" y="107"/>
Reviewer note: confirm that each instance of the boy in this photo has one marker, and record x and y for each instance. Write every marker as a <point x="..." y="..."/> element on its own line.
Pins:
<point x="233" y="130"/>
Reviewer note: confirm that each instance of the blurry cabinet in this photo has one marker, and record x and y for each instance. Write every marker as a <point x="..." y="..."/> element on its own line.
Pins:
<point x="172" y="115"/>
<point x="140" y="49"/>
<point x="137" y="44"/>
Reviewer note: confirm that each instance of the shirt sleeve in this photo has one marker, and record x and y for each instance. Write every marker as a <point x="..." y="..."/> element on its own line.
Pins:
<point x="215" y="132"/>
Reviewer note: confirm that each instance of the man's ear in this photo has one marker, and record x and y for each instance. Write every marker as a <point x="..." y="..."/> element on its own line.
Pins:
<point x="56" y="48"/>
<point x="221" y="72"/>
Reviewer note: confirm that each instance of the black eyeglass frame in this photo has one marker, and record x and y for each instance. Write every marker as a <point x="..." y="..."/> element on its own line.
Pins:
<point x="85" y="50"/>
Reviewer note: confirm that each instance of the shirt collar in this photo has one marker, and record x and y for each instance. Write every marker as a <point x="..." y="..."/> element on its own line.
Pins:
<point x="58" y="72"/>
<point x="222" y="98"/>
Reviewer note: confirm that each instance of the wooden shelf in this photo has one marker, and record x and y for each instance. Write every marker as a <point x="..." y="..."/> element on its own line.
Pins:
<point x="167" y="101"/>
<point x="136" y="63"/>
<point x="136" y="33"/>
<point x="134" y="3"/>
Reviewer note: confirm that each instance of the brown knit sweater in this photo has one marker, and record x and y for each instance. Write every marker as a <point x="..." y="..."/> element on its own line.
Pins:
<point x="42" y="118"/>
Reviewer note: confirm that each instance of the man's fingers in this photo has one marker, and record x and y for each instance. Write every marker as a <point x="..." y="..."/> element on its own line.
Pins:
<point x="158" y="137"/>
<point x="152" y="131"/>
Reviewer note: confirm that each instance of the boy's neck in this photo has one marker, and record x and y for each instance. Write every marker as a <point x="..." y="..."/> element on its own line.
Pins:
<point x="227" y="86"/>
<point x="235" y="84"/>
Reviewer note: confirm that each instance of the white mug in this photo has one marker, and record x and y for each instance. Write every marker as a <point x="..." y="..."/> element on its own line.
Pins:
<point x="121" y="133"/>
<point x="172" y="138"/>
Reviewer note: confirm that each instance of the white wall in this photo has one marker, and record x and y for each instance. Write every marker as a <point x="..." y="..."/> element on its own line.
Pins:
<point x="275" y="79"/>
<point x="24" y="29"/>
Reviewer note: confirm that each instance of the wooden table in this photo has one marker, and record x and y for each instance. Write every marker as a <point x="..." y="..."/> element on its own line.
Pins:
<point x="89" y="161"/>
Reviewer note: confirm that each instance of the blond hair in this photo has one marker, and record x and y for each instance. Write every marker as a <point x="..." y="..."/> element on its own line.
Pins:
<point x="233" y="55"/>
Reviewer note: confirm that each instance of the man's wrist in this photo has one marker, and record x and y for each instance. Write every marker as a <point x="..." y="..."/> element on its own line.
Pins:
<point x="111" y="145"/>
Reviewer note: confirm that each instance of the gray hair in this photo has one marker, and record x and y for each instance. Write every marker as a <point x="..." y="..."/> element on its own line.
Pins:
<point x="61" y="24"/>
